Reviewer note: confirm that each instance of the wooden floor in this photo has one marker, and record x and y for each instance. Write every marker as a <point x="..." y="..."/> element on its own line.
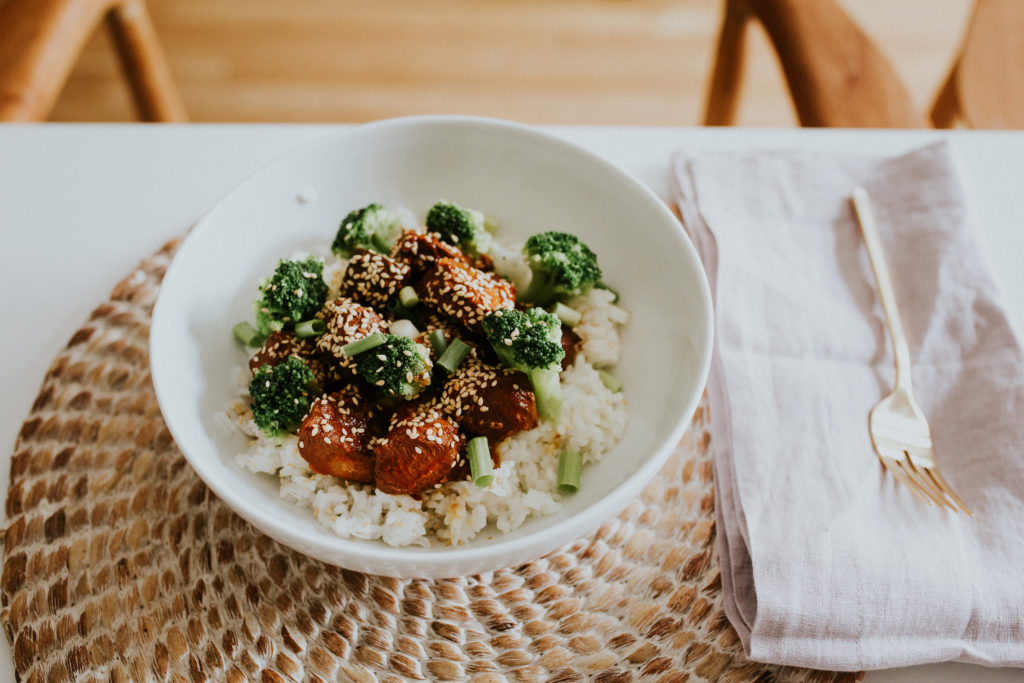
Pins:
<point x="538" y="61"/>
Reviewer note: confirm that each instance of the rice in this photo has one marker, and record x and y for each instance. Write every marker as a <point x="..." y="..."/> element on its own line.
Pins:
<point x="592" y="422"/>
<point x="597" y="326"/>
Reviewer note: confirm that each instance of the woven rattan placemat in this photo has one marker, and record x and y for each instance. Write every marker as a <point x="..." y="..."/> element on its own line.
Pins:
<point x="119" y="564"/>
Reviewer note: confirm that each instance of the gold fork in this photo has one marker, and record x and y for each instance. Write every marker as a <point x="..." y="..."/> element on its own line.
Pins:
<point x="899" y="430"/>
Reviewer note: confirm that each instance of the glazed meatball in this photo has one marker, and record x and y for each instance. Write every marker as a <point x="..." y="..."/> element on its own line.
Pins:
<point x="489" y="401"/>
<point x="420" y="250"/>
<point x="334" y="438"/>
<point x="465" y="293"/>
<point x="570" y="344"/>
<point x="280" y="345"/>
<point x="372" y="278"/>
<point x="346" y="322"/>
<point x="419" y="452"/>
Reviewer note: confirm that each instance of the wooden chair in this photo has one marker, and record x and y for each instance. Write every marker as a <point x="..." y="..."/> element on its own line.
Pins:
<point x="835" y="74"/>
<point x="41" y="39"/>
<point x="985" y="87"/>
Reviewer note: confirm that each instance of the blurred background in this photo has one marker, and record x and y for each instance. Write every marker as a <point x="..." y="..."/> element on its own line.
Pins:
<point x="537" y="61"/>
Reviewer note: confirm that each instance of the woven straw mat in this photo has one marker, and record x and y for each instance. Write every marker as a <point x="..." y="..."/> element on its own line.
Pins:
<point x="121" y="565"/>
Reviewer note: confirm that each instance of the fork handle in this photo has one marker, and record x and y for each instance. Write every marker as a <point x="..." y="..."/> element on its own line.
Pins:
<point x="866" y="219"/>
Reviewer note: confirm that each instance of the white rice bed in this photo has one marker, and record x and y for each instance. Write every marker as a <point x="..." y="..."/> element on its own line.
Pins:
<point x="525" y="484"/>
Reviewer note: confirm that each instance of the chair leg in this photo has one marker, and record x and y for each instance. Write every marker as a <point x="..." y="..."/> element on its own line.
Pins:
<point x="946" y="106"/>
<point x="144" y="63"/>
<point x="727" y="76"/>
<point x="39" y="43"/>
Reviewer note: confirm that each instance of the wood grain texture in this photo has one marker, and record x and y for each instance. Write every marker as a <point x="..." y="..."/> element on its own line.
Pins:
<point x="835" y="73"/>
<point x="40" y="41"/>
<point x="730" y="62"/>
<point x="643" y="62"/>
<point x="144" y="64"/>
<point x="985" y="87"/>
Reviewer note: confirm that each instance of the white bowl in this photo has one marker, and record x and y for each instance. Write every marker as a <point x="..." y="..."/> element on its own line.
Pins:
<point x="530" y="182"/>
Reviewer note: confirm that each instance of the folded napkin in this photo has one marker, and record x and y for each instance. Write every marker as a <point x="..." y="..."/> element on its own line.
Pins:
<point x="827" y="561"/>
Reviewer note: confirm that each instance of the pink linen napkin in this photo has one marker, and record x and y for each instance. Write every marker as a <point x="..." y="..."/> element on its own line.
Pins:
<point x="827" y="561"/>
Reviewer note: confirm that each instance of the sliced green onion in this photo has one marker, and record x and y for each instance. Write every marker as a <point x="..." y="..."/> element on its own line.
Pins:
<point x="568" y="315"/>
<point x="248" y="335"/>
<point x="570" y="463"/>
<point x="609" y="382"/>
<point x="438" y="342"/>
<point x="311" y="328"/>
<point x="408" y="297"/>
<point x="396" y="307"/>
<point x="365" y="344"/>
<point x="453" y="355"/>
<point x="480" y="467"/>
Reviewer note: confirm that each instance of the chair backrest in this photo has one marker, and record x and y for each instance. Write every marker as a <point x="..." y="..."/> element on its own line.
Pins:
<point x="835" y="74"/>
<point x="985" y="87"/>
<point x="40" y="41"/>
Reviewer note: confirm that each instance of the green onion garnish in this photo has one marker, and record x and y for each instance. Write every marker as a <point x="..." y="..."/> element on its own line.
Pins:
<point x="480" y="466"/>
<point x="609" y="382"/>
<point x="248" y="335"/>
<point x="365" y="344"/>
<point x="570" y="463"/>
<point x="310" y="328"/>
<point x="408" y="297"/>
<point x="453" y="355"/>
<point x="399" y="309"/>
<point x="438" y="342"/>
<point x="569" y="316"/>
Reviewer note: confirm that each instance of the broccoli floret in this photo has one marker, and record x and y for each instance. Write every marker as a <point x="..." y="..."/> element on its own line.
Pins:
<point x="295" y="292"/>
<point x="372" y="227"/>
<point x="462" y="227"/>
<point x="531" y="342"/>
<point x="281" y="395"/>
<point x="562" y="266"/>
<point x="398" y="368"/>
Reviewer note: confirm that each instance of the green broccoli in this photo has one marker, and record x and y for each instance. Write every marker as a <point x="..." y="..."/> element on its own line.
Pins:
<point x="531" y="342"/>
<point x="295" y="292"/>
<point x="372" y="227"/>
<point x="462" y="227"/>
<point x="398" y="368"/>
<point x="562" y="266"/>
<point x="281" y="395"/>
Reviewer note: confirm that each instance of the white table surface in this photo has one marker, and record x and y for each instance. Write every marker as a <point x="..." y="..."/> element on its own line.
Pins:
<point x="80" y="205"/>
